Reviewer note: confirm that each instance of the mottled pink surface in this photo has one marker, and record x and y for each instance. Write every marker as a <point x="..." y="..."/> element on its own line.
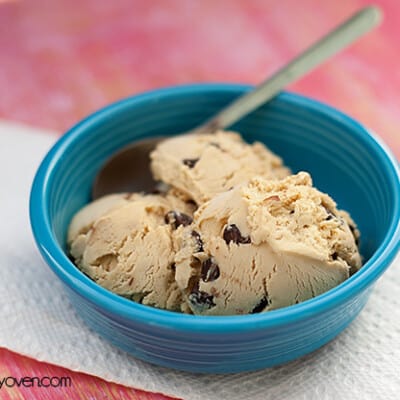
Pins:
<point x="62" y="59"/>
<point x="82" y="386"/>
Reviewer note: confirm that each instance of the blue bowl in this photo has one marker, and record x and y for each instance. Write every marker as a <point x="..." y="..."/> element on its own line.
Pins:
<point x="345" y="160"/>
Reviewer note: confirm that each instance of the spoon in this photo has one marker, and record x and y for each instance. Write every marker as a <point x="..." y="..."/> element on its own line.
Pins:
<point x="129" y="169"/>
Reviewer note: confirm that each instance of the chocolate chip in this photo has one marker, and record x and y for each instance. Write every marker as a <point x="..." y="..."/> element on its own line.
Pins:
<point x="209" y="270"/>
<point x="334" y="256"/>
<point x="194" y="280"/>
<point x="199" y="243"/>
<point x="176" y="218"/>
<point x="233" y="234"/>
<point x="331" y="215"/>
<point x="190" y="162"/>
<point x="261" y="305"/>
<point x="202" y="300"/>
<point x="353" y="231"/>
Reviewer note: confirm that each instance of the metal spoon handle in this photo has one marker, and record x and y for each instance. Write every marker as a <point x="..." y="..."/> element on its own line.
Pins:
<point x="346" y="33"/>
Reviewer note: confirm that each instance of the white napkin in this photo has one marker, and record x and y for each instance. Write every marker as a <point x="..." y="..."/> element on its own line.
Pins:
<point x="38" y="321"/>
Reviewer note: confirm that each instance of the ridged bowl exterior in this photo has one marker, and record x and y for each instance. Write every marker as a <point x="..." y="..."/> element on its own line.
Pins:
<point x="344" y="159"/>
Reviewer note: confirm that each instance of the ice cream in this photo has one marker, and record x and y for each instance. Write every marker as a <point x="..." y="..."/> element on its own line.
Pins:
<point x="234" y="234"/>
<point x="124" y="243"/>
<point x="202" y="166"/>
<point x="265" y="245"/>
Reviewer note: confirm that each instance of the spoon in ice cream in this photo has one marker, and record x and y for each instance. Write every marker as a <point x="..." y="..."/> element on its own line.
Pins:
<point x="129" y="169"/>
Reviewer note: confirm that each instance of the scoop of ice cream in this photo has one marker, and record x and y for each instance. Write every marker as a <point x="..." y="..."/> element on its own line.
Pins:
<point x="85" y="217"/>
<point x="202" y="166"/>
<point x="125" y="244"/>
<point x="264" y="245"/>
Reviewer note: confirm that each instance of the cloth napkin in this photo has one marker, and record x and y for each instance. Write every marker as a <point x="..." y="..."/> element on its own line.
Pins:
<point x="38" y="321"/>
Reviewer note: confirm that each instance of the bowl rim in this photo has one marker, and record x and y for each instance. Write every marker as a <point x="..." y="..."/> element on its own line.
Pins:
<point x="116" y="305"/>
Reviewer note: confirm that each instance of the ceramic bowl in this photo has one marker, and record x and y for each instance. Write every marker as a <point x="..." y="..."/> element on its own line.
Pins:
<point x="345" y="160"/>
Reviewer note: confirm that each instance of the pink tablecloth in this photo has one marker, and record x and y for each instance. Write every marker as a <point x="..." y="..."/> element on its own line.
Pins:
<point x="61" y="60"/>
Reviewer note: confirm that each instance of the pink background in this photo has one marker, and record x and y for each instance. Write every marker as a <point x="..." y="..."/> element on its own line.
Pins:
<point x="62" y="59"/>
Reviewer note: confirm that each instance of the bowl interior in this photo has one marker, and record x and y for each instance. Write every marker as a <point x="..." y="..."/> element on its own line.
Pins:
<point x="342" y="159"/>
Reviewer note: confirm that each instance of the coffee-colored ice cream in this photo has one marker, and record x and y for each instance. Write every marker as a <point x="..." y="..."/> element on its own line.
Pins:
<point x="204" y="165"/>
<point x="125" y="244"/>
<point x="265" y="245"/>
<point x="234" y="234"/>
